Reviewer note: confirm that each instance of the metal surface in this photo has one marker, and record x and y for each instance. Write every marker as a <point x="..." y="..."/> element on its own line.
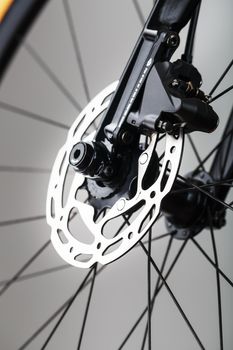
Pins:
<point x="102" y="249"/>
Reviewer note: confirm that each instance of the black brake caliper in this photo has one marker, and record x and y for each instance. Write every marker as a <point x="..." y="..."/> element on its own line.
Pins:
<point x="184" y="81"/>
<point x="185" y="209"/>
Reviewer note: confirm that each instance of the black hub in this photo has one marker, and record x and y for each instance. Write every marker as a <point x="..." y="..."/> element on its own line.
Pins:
<point x="185" y="208"/>
<point x="93" y="160"/>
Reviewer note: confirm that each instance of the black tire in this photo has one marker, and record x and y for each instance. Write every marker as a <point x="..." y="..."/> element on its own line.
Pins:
<point x="17" y="21"/>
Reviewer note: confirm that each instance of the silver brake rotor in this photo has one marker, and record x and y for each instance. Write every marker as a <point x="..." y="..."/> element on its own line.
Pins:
<point x="103" y="249"/>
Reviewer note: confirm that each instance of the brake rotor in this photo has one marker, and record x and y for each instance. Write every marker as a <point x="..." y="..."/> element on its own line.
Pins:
<point x="145" y="203"/>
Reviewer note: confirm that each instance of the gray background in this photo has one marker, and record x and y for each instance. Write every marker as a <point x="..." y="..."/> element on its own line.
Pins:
<point x="107" y="31"/>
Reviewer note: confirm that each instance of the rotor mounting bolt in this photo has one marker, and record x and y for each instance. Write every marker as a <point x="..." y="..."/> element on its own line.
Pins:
<point x="143" y="158"/>
<point x="121" y="205"/>
<point x="173" y="40"/>
<point x="167" y="127"/>
<point x="127" y="137"/>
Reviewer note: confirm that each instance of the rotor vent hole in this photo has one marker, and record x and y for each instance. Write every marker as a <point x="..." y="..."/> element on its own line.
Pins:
<point x="66" y="188"/>
<point x="152" y="172"/>
<point x="100" y="215"/>
<point x="113" y="247"/>
<point x="114" y="227"/>
<point x="62" y="164"/>
<point x="52" y="208"/>
<point x="81" y="195"/>
<point x="79" y="125"/>
<point x="130" y="235"/>
<point x="107" y="99"/>
<point x="152" y="194"/>
<point x="62" y="237"/>
<point x="173" y="148"/>
<point x="145" y="224"/>
<point x="90" y="131"/>
<point x="78" y="229"/>
<point x="83" y="257"/>
<point x="165" y="177"/>
<point x="117" y="225"/>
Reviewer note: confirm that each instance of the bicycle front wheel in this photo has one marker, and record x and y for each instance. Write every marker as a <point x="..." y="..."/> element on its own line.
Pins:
<point x="72" y="52"/>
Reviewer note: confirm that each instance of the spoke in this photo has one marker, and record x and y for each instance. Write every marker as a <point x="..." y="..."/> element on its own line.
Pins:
<point x="221" y="94"/>
<point x="126" y="222"/>
<point x="217" y="281"/>
<point x="76" y="47"/>
<point x="45" y="325"/>
<point x="212" y="262"/>
<point x="226" y="157"/>
<point x="24" y="267"/>
<point x="195" y="151"/>
<point x="140" y="318"/>
<point x="221" y="78"/>
<point x="83" y="285"/>
<point x="174" y="299"/>
<point x="149" y="310"/>
<point x="133" y="328"/>
<point x="22" y="220"/>
<point x="31" y="115"/>
<point x="206" y="193"/>
<point x="33" y="258"/>
<point x="217" y="183"/>
<point x="164" y="235"/>
<point x="139" y="12"/>
<point x="38" y="274"/>
<point x="160" y="138"/>
<point x="70" y="302"/>
<point x="157" y="286"/>
<point x="23" y="169"/>
<point x="161" y="157"/>
<point x="219" y="144"/>
<point x="87" y="307"/>
<point x="38" y="59"/>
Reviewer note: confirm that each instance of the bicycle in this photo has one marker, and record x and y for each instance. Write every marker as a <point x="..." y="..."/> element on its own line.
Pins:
<point x="105" y="185"/>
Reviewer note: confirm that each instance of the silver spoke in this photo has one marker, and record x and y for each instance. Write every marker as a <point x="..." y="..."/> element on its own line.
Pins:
<point x="31" y="115"/>
<point x="76" y="47"/>
<point x="175" y="300"/>
<point x="217" y="281"/>
<point x="57" y="82"/>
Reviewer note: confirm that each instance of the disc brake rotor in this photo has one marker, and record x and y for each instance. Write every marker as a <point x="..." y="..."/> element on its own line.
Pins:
<point x="145" y="204"/>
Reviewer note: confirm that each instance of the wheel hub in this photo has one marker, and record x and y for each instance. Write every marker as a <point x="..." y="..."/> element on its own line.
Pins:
<point x="185" y="208"/>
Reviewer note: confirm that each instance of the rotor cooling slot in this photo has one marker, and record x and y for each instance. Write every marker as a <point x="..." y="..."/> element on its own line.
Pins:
<point x="165" y="177"/>
<point x="78" y="229"/>
<point x="62" y="237"/>
<point x="147" y="220"/>
<point x="112" y="247"/>
<point x="116" y="226"/>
